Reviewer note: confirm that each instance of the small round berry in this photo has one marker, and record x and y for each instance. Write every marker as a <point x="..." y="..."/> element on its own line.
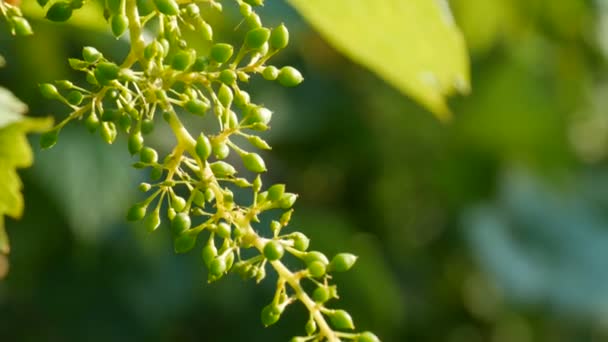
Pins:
<point x="300" y="241"/>
<point x="279" y="38"/>
<point x="197" y="107"/>
<point x="367" y="336"/>
<point x="178" y="203"/>
<point x="288" y="200"/>
<point x="184" y="242"/>
<point x="180" y="223"/>
<point x="253" y="162"/>
<point x="137" y="212"/>
<point x="209" y="253"/>
<point x="228" y="76"/>
<point x="258" y="142"/>
<point x="275" y="192"/>
<point x="183" y="60"/>
<point x="270" y="314"/>
<point x="147" y="126"/>
<point x="289" y="77"/>
<point x="203" y="147"/>
<point x="221" y="150"/>
<point x="221" y="52"/>
<point x="270" y="73"/>
<point x="315" y="256"/>
<point x="223" y="230"/>
<point x="148" y="155"/>
<point x="316" y="269"/>
<point x="254" y="39"/>
<point x="200" y="64"/>
<point x="152" y="221"/>
<point x="222" y="169"/>
<point x="342" y="262"/>
<point x="119" y="23"/>
<point x="225" y="95"/>
<point x="273" y="250"/>
<point x="217" y="267"/>
<point x="106" y="72"/>
<point x="59" y="11"/>
<point x="321" y="294"/>
<point x="136" y="143"/>
<point x="168" y="7"/>
<point x="91" y="54"/>
<point x="74" y="97"/>
<point x="340" y="319"/>
<point x="49" y="139"/>
<point x="49" y="91"/>
<point x="91" y="122"/>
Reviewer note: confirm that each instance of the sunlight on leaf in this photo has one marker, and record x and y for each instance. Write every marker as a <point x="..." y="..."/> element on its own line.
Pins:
<point x="15" y="152"/>
<point x="412" y="44"/>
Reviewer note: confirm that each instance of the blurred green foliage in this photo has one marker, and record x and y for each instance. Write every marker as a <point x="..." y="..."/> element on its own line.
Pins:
<point x="489" y="228"/>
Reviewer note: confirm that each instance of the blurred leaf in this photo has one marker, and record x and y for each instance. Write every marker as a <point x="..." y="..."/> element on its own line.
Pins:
<point x="15" y="152"/>
<point x="412" y="44"/>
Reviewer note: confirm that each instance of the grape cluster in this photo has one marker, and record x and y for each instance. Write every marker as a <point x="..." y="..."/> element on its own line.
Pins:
<point x="193" y="186"/>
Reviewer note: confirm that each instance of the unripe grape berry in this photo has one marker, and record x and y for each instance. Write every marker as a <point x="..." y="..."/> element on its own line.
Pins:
<point x="259" y="115"/>
<point x="137" y="212"/>
<point x="59" y="11"/>
<point x="136" y="143"/>
<point x="315" y="256"/>
<point x="270" y="73"/>
<point x="49" y="91"/>
<point x="192" y="10"/>
<point x="110" y="114"/>
<point x="21" y="26"/>
<point x="222" y="169"/>
<point x="168" y="7"/>
<point x="152" y="221"/>
<point x="199" y="198"/>
<point x="288" y="200"/>
<point x="119" y="23"/>
<point x="74" y="97"/>
<point x="148" y="155"/>
<point x="106" y="72"/>
<point x="147" y="126"/>
<point x="184" y="242"/>
<point x="209" y="253"/>
<point x="91" y="54"/>
<point x="156" y="173"/>
<point x="228" y="76"/>
<point x="217" y="267"/>
<point x="310" y="327"/>
<point x="254" y="39"/>
<point x="340" y="319"/>
<point x="178" y="203"/>
<point x="316" y="269"/>
<point x="279" y="38"/>
<point x="49" y="139"/>
<point x="180" y="223"/>
<point x="183" y="60"/>
<point x="289" y="77"/>
<point x="200" y="64"/>
<point x="221" y="52"/>
<point x="273" y="250"/>
<point x="203" y="147"/>
<point x="225" y="95"/>
<point x="144" y="187"/>
<point x="242" y="98"/>
<point x="300" y="241"/>
<point x="275" y="192"/>
<point x="270" y="314"/>
<point x="253" y="162"/>
<point x="92" y="122"/>
<point x="245" y="9"/>
<point x="223" y="230"/>
<point x="197" y="107"/>
<point x="342" y="262"/>
<point x="321" y="294"/>
<point x="221" y="150"/>
<point x="258" y="142"/>
<point x="367" y="337"/>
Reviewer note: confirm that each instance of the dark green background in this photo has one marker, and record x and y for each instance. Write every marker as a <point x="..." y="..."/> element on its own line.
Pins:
<point x="492" y="227"/>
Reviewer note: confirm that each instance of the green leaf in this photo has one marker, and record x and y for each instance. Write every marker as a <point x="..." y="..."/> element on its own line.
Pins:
<point x="15" y="152"/>
<point x="412" y="44"/>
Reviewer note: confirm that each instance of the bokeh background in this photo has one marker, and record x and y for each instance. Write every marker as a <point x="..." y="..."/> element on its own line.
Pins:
<point x="492" y="227"/>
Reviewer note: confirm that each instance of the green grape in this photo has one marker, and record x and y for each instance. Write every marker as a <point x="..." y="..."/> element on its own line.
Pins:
<point x="59" y="11"/>
<point x="221" y="52"/>
<point x="273" y="250"/>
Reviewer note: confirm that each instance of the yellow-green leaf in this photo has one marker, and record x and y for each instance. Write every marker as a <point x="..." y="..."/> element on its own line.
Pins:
<point x="15" y="152"/>
<point x="412" y="44"/>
